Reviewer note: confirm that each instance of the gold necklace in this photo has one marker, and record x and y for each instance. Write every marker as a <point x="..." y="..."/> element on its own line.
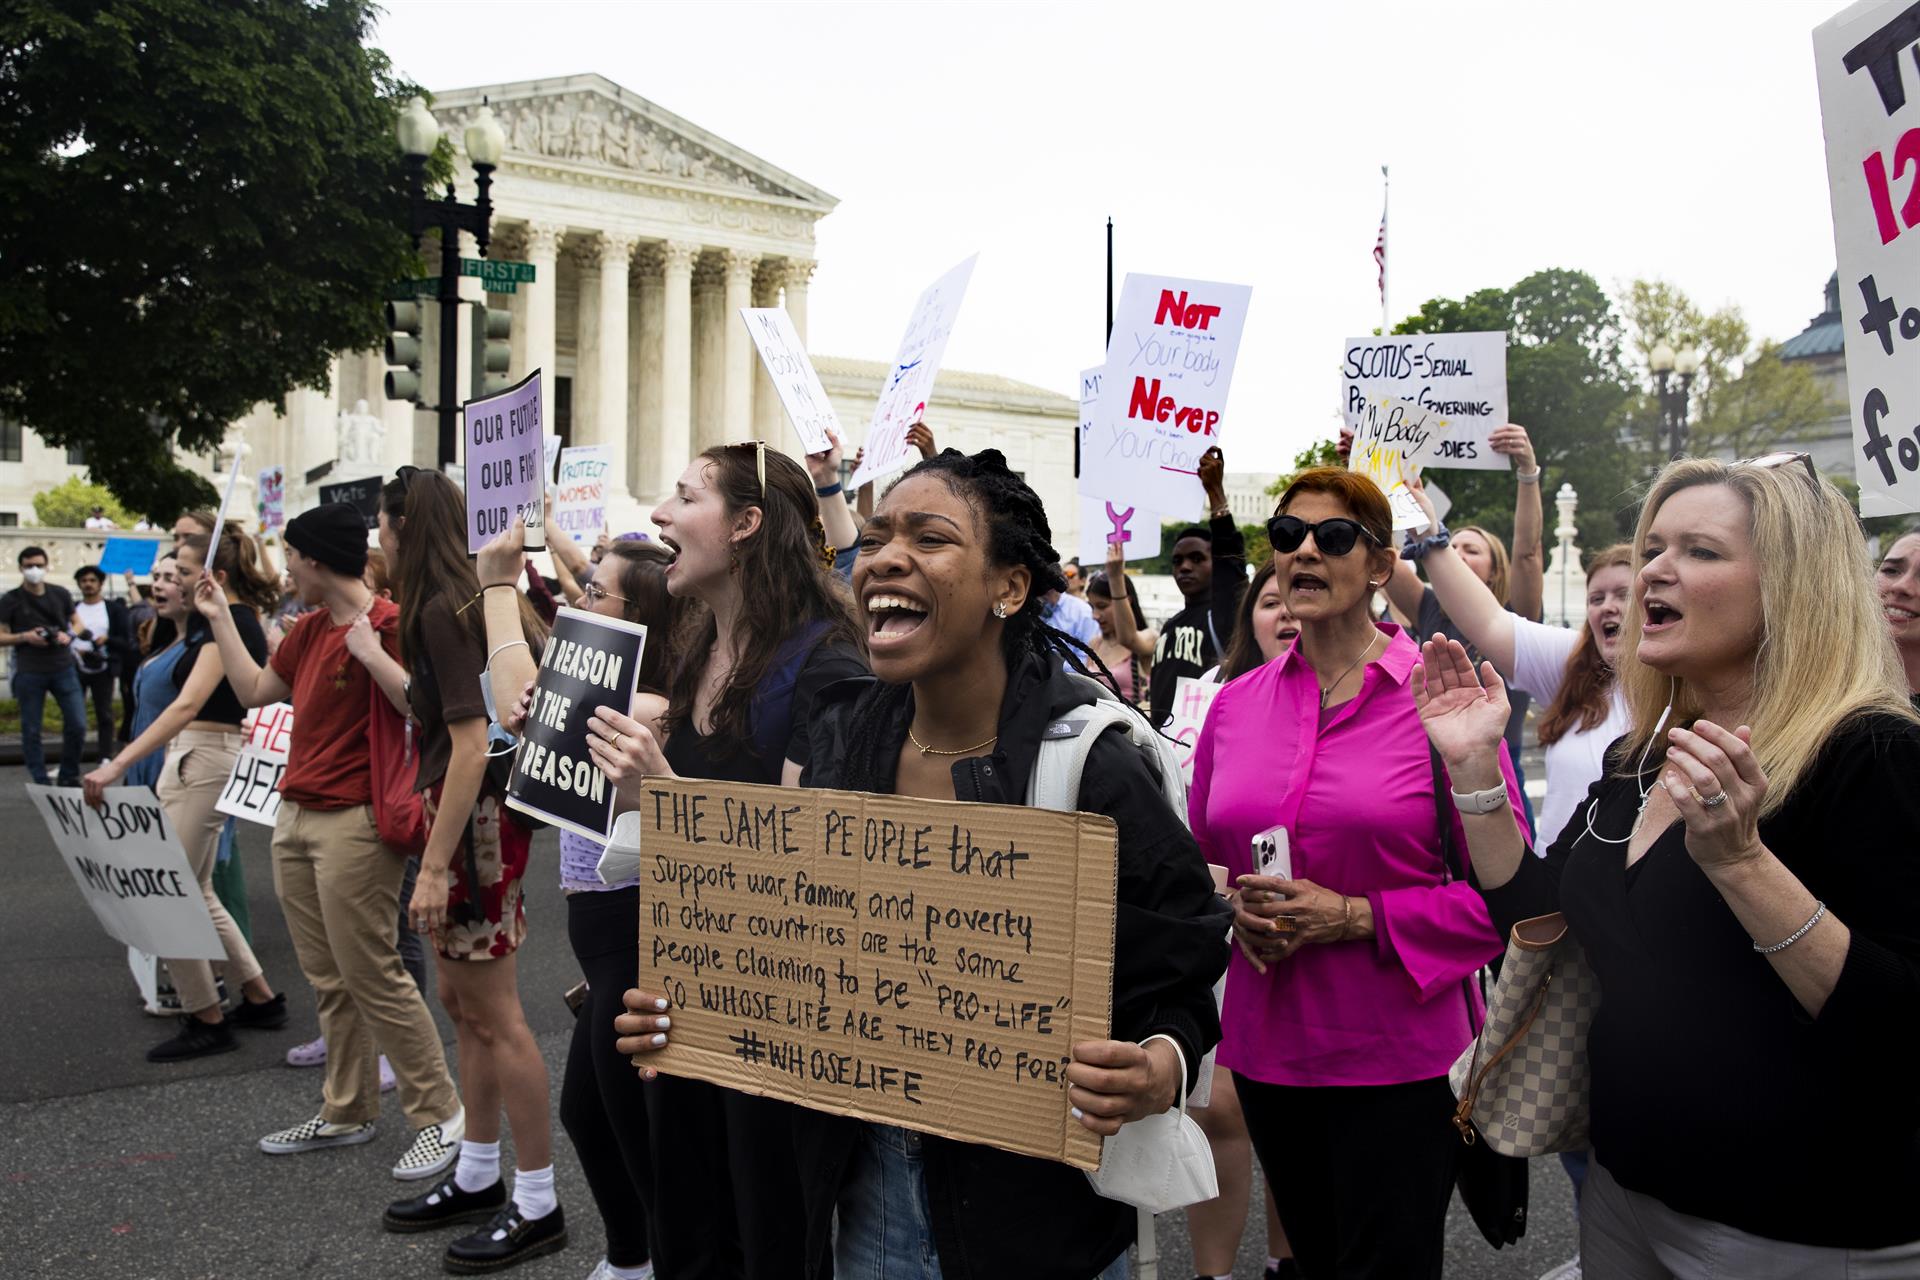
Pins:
<point x="926" y="750"/>
<point x="1326" y="691"/>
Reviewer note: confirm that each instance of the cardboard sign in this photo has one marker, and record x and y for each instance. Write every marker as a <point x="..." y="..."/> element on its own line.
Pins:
<point x="362" y="495"/>
<point x="1192" y="699"/>
<point x="253" y="788"/>
<point x="794" y="377"/>
<point x="580" y="493"/>
<point x="273" y="499"/>
<point x="590" y="661"/>
<point x="122" y="555"/>
<point x="1163" y="395"/>
<point x="506" y="463"/>
<point x="903" y="400"/>
<point x="1870" y="107"/>
<point x="908" y="961"/>
<point x="1461" y="377"/>
<point x="130" y="868"/>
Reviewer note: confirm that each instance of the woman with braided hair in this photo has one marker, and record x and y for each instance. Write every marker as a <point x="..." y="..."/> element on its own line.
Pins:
<point x="948" y="579"/>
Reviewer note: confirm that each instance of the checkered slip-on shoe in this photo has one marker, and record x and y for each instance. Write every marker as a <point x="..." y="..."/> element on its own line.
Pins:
<point x="315" y="1134"/>
<point x="433" y="1149"/>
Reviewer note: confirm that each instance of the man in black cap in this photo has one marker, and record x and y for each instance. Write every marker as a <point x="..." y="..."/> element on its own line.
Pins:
<point x="339" y="885"/>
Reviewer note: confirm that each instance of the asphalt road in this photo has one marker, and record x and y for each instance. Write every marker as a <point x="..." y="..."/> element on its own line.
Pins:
<point x="115" y="1168"/>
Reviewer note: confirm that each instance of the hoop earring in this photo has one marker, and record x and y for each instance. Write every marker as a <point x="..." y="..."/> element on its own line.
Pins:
<point x="999" y="609"/>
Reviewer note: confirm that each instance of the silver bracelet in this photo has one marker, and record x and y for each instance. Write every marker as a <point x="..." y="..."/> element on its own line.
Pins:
<point x="1528" y="477"/>
<point x="1819" y="913"/>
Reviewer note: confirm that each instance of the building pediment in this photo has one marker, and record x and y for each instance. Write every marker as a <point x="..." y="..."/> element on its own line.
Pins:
<point x="589" y="122"/>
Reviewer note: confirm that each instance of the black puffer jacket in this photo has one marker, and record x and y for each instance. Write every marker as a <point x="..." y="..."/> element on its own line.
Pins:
<point x="996" y="1214"/>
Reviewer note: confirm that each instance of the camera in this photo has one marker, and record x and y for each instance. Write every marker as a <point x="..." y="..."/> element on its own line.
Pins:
<point x="45" y="633"/>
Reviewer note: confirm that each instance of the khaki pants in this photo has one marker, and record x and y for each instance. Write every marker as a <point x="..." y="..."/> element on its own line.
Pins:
<point x="340" y="890"/>
<point x="195" y="773"/>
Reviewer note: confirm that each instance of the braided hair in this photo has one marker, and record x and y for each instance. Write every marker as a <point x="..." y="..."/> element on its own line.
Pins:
<point x="1018" y="534"/>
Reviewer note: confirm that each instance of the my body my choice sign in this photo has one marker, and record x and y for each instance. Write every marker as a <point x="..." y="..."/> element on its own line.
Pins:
<point x="590" y="661"/>
<point x="130" y="868"/>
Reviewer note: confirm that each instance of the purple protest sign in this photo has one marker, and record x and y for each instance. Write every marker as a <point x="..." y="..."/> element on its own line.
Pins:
<point x="506" y="463"/>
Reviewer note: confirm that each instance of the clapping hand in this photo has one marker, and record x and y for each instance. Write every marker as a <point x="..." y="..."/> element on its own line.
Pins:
<point x="1718" y="787"/>
<point x="1465" y="716"/>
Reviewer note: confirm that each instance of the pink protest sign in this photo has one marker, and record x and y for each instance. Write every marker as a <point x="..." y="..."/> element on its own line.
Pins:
<point x="506" y="463"/>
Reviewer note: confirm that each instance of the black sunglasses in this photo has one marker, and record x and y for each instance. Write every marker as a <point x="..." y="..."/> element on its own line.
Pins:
<point x="1334" y="537"/>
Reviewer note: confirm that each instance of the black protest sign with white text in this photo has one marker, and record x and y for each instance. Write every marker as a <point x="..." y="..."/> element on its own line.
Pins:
<point x="590" y="661"/>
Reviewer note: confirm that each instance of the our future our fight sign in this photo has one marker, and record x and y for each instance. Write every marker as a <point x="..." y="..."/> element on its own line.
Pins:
<point x="506" y="467"/>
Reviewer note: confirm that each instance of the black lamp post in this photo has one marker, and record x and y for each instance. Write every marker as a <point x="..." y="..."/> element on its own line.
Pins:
<point x="1665" y="362"/>
<point x="486" y="141"/>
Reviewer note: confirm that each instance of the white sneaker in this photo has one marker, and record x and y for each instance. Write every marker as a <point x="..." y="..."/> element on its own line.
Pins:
<point x="314" y="1134"/>
<point x="1568" y="1270"/>
<point x="605" y="1271"/>
<point x="433" y="1149"/>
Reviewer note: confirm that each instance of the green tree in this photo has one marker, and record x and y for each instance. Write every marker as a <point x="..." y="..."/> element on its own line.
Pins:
<point x="68" y="504"/>
<point x="1566" y="385"/>
<point x="204" y="203"/>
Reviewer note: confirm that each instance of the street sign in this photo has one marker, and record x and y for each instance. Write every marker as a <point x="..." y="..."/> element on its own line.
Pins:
<point x="429" y="287"/>
<point x="494" y="273"/>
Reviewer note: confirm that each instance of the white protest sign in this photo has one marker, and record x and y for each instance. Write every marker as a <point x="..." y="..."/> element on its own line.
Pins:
<point x="1089" y="403"/>
<point x="1163" y="394"/>
<point x="130" y="868"/>
<point x="1192" y="699"/>
<point x="253" y="788"/>
<point x="505" y="470"/>
<point x="1870" y="107"/>
<point x="1461" y="377"/>
<point x="1391" y="441"/>
<point x="909" y="385"/>
<point x="580" y="492"/>
<point x="794" y="376"/>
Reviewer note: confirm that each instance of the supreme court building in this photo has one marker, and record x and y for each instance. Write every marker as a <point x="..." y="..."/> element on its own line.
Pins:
<point x="646" y="234"/>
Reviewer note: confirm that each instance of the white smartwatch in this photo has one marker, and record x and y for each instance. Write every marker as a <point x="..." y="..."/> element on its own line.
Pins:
<point x="1481" y="801"/>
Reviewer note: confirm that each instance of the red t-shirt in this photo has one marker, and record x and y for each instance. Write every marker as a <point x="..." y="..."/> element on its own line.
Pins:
<point x="327" y="762"/>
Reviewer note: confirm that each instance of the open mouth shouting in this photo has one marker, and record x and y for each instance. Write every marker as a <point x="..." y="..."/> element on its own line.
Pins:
<point x="891" y="618"/>
<point x="1306" y="587"/>
<point x="1661" y="617"/>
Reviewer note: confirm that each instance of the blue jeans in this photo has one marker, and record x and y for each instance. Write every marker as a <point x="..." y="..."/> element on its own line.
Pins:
<point x="886" y="1229"/>
<point x="32" y="688"/>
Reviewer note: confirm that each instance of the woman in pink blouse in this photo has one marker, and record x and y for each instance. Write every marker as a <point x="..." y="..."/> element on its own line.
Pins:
<point x="1348" y="998"/>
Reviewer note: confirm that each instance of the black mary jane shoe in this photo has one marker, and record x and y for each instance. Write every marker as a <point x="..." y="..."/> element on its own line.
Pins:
<point x="519" y="1240"/>
<point x="445" y="1205"/>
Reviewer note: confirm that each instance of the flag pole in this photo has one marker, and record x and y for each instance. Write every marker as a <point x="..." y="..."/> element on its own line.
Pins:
<point x="1385" y="192"/>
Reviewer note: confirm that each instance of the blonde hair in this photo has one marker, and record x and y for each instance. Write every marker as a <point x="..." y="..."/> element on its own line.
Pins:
<point x="1824" y="655"/>
<point x="1499" y="568"/>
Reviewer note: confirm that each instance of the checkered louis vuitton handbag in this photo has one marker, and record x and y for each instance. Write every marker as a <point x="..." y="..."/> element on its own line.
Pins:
<point x="1522" y="1083"/>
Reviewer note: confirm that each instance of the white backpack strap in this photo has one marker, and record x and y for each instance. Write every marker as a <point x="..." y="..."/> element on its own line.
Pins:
<point x="1065" y="745"/>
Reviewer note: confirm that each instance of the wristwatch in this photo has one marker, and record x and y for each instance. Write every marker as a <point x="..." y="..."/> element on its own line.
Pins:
<point x="1481" y="801"/>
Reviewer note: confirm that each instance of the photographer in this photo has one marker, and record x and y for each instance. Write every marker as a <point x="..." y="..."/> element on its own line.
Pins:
<point x="38" y="617"/>
<point x="103" y="646"/>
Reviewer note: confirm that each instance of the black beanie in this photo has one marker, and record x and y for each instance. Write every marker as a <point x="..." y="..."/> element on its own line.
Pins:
<point x="334" y="534"/>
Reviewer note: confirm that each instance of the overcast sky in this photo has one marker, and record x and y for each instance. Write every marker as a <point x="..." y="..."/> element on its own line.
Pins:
<point x="1241" y="143"/>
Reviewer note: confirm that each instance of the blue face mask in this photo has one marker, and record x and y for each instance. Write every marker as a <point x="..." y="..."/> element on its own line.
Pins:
<point x="499" y="741"/>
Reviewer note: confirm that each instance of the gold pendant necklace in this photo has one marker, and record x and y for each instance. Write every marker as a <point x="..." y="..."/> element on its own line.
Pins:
<point x="926" y="750"/>
<point x="1327" y="691"/>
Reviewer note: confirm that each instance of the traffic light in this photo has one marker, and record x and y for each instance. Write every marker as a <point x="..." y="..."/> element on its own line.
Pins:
<point x="492" y="349"/>
<point x="404" y="349"/>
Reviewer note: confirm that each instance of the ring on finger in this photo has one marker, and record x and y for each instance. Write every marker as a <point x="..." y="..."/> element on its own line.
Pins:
<point x="616" y="740"/>
<point x="1713" y="801"/>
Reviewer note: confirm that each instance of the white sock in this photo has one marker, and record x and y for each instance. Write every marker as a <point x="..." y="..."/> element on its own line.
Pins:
<point x="479" y="1166"/>
<point x="642" y="1272"/>
<point x="533" y="1192"/>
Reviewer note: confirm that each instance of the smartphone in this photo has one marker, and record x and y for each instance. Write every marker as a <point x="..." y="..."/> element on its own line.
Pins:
<point x="575" y="996"/>
<point x="1271" y="854"/>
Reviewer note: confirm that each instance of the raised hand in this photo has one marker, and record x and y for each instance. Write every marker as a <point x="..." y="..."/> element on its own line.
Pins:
<point x="1512" y="440"/>
<point x="920" y="436"/>
<point x="209" y="598"/>
<point x="1213" y="470"/>
<point x="1465" y="716"/>
<point x="824" y="467"/>
<point x="1718" y="787"/>
<point x="503" y="559"/>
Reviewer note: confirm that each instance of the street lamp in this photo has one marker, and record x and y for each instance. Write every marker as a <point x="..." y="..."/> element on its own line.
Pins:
<point x="419" y="133"/>
<point x="1665" y="362"/>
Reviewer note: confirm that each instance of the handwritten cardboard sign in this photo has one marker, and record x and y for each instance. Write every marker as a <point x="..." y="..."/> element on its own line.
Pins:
<point x="913" y="962"/>
<point x="580" y="492"/>
<point x="909" y="385"/>
<point x="1870" y="107"/>
<point x="130" y="868"/>
<point x="589" y="661"/>
<point x="253" y="788"/>
<point x="1192" y="699"/>
<point x="794" y="377"/>
<point x="1391" y="444"/>
<point x="506" y="463"/>
<point x="1163" y="395"/>
<point x="1461" y="377"/>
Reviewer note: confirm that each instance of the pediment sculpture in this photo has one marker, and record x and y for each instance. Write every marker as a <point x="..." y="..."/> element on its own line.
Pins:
<point x="590" y="130"/>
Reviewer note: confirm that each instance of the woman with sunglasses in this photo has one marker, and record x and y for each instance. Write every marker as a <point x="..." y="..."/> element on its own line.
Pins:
<point x="467" y="895"/>
<point x="1347" y="1000"/>
<point x="777" y="627"/>
<point x="1744" y="886"/>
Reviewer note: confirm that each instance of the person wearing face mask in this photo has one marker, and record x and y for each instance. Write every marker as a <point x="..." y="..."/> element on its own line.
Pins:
<point x="1125" y="643"/>
<point x="1898" y="582"/>
<point x="777" y="627"/>
<point x="1743" y="886"/>
<point x="36" y="621"/>
<point x="1347" y="999"/>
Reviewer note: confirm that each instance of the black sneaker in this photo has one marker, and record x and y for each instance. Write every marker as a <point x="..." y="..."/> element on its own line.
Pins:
<point x="445" y="1205"/>
<point x="506" y="1241"/>
<point x="266" y="1015"/>
<point x="197" y="1039"/>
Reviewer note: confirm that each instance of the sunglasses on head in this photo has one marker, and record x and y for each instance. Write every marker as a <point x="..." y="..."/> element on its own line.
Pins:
<point x="1786" y="457"/>
<point x="759" y="461"/>
<point x="1335" y="537"/>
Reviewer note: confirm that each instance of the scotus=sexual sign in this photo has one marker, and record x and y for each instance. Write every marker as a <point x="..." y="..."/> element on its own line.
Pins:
<point x="906" y="961"/>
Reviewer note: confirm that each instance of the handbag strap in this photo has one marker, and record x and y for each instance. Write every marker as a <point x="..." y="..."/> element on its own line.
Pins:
<point x="1451" y="860"/>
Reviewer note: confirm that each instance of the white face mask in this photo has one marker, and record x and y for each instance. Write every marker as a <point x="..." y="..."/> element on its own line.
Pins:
<point x="36" y="574"/>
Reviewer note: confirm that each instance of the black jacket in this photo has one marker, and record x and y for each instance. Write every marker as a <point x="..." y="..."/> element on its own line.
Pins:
<point x="996" y="1214"/>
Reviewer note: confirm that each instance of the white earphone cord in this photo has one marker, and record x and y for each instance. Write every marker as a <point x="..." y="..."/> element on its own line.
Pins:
<point x="1646" y="792"/>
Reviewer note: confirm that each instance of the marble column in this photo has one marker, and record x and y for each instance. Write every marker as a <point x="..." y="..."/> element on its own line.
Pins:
<point x="709" y="354"/>
<point x="676" y="363"/>
<point x="649" y="320"/>
<point x="535" y="347"/>
<point x="799" y="272"/>
<point x="736" y="397"/>
<point x="767" y="413"/>
<point x="610" y="371"/>
<point x="584" y="256"/>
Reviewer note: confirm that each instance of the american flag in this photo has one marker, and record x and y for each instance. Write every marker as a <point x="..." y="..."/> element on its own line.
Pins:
<point x="1380" y="254"/>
